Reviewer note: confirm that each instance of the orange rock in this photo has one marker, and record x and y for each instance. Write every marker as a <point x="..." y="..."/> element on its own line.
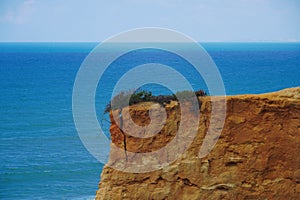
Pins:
<point x="256" y="156"/>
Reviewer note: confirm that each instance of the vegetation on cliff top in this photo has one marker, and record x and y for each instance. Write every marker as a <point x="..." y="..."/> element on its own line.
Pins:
<point x="126" y="98"/>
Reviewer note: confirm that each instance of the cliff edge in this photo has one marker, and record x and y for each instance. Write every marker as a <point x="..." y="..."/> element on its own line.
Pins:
<point x="255" y="157"/>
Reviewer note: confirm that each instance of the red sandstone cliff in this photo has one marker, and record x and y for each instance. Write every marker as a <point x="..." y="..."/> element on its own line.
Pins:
<point x="256" y="156"/>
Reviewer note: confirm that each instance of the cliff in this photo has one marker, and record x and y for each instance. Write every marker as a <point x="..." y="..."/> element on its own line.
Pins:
<point x="255" y="157"/>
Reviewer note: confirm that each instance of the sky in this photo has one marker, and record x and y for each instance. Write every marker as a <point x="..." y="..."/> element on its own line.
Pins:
<point x="96" y="20"/>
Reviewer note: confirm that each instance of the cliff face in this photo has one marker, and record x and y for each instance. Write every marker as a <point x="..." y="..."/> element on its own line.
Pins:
<point x="256" y="156"/>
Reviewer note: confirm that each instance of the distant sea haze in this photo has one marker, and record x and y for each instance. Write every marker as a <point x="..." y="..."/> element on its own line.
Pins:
<point x="41" y="154"/>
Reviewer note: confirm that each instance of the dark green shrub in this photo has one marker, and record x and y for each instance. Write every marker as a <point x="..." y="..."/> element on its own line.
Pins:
<point x="133" y="97"/>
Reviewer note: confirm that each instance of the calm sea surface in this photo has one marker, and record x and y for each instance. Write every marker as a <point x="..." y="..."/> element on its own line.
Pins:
<point x="42" y="156"/>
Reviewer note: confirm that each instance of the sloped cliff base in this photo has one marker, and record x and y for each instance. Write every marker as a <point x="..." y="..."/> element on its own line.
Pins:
<point x="255" y="157"/>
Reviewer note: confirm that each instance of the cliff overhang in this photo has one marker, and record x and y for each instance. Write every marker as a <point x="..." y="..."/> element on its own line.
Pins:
<point x="255" y="157"/>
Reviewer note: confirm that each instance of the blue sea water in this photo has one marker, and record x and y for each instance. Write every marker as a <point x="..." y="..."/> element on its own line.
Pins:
<point x="42" y="156"/>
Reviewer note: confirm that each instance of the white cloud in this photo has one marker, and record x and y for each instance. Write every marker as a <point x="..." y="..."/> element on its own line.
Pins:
<point x="20" y="14"/>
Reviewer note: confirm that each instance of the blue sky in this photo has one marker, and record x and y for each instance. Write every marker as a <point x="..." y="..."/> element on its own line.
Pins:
<point x="96" y="20"/>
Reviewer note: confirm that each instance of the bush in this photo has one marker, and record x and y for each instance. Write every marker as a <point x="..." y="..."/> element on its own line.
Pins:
<point x="133" y="97"/>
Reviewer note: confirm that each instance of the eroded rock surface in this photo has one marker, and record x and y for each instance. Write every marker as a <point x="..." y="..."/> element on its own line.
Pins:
<point x="256" y="156"/>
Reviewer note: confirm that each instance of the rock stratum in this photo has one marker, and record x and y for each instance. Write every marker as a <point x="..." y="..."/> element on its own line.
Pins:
<point x="255" y="157"/>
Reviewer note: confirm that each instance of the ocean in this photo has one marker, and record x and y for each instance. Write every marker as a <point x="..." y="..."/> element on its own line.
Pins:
<point x="42" y="156"/>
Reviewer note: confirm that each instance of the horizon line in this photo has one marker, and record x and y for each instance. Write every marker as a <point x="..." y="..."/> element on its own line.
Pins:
<point x="154" y="42"/>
